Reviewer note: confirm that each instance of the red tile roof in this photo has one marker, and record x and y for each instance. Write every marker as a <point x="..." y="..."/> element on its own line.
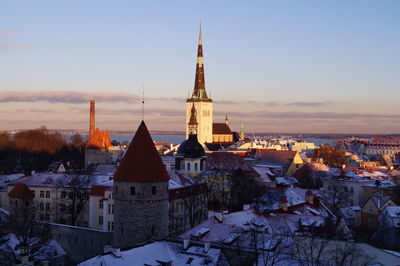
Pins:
<point x="141" y="162"/>
<point x="98" y="191"/>
<point x="21" y="191"/>
<point x="221" y="128"/>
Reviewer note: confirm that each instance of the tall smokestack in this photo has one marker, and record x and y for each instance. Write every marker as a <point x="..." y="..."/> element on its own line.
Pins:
<point x="92" y="119"/>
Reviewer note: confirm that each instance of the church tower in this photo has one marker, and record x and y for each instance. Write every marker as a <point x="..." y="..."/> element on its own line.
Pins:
<point x="140" y="194"/>
<point x="190" y="157"/>
<point x="202" y="103"/>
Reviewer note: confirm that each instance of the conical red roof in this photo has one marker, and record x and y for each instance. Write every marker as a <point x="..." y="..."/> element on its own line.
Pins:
<point x="21" y="191"/>
<point x="141" y="162"/>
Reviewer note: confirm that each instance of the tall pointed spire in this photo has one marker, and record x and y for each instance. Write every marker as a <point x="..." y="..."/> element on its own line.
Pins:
<point x="199" y="91"/>
<point x="193" y="121"/>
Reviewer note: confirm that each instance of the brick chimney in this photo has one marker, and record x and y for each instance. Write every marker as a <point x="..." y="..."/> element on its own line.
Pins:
<point x="309" y="197"/>
<point x="283" y="203"/>
<point x="92" y="118"/>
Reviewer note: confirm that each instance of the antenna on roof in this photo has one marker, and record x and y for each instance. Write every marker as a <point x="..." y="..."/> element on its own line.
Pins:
<point x="143" y="102"/>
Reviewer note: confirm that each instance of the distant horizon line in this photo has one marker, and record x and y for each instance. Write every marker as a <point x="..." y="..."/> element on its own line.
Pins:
<point x="178" y="132"/>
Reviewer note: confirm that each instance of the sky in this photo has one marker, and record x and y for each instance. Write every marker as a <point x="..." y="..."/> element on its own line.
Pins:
<point x="277" y="66"/>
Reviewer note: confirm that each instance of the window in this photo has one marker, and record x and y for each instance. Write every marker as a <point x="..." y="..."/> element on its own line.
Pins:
<point x="153" y="190"/>
<point x="42" y="194"/>
<point x="47" y="206"/>
<point x="63" y="194"/>
<point x="100" y="219"/>
<point x="188" y="167"/>
<point x="109" y="208"/>
<point x="116" y="189"/>
<point x="41" y="216"/>
<point x="62" y="207"/>
<point x="41" y="206"/>
<point x="47" y="216"/>
<point x="70" y="195"/>
<point x="109" y="226"/>
<point x="112" y="226"/>
<point x="351" y="189"/>
<point x="195" y="166"/>
<point x="133" y="191"/>
<point x="47" y="194"/>
<point x="101" y="204"/>
<point x="122" y="230"/>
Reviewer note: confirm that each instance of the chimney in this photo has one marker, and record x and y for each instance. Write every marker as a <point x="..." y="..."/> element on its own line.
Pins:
<point x="186" y="243"/>
<point x="206" y="247"/>
<point x="92" y="118"/>
<point x="309" y="197"/>
<point x="283" y="202"/>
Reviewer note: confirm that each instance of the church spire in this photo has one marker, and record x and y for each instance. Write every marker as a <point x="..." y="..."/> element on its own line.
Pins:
<point x="199" y="91"/>
<point x="193" y="121"/>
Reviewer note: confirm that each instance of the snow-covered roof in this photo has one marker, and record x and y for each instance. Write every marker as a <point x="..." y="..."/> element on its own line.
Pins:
<point x="350" y="212"/>
<point x="6" y="179"/>
<point x="393" y="211"/>
<point x="157" y="253"/>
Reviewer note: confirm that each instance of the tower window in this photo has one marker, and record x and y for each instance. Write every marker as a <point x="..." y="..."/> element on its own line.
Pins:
<point x="133" y="191"/>
<point x="153" y="190"/>
<point x="188" y="166"/>
<point x="195" y="166"/>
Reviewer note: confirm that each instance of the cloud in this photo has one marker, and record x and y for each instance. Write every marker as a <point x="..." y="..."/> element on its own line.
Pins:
<point x="76" y="97"/>
<point x="135" y="111"/>
<point x="273" y="103"/>
<point x="6" y="33"/>
<point x="9" y="46"/>
<point x="309" y="104"/>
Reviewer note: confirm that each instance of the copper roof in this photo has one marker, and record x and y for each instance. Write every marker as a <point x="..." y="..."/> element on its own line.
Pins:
<point x="221" y="128"/>
<point x="21" y="191"/>
<point x="141" y="162"/>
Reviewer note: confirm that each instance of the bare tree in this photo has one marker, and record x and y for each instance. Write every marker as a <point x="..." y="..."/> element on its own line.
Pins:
<point x="30" y="232"/>
<point x="195" y="204"/>
<point x="313" y="251"/>
<point x="335" y="196"/>
<point x="74" y="196"/>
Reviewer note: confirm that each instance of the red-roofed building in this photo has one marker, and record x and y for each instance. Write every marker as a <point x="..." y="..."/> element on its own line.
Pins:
<point x="21" y="191"/>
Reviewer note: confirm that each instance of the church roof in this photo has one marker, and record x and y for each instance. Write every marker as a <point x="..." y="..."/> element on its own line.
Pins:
<point x="141" y="162"/>
<point x="221" y="128"/>
<point x="21" y="191"/>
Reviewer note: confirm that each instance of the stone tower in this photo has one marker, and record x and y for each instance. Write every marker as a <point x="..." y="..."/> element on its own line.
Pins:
<point x="140" y="194"/>
<point x="201" y="101"/>
<point x="92" y="118"/>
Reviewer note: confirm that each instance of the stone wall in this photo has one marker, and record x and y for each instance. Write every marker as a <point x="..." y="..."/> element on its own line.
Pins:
<point x="80" y="243"/>
<point x="140" y="216"/>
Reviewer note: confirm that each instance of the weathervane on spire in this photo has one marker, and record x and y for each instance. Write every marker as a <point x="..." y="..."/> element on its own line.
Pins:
<point x="143" y="103"/>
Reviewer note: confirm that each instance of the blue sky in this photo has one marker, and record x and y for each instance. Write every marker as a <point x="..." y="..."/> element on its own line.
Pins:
<point x="294" y="66"/>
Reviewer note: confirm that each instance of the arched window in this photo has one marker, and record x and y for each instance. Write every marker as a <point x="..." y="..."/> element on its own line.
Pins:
<point x="195" y="166"/>
<point x="188" y="166"/>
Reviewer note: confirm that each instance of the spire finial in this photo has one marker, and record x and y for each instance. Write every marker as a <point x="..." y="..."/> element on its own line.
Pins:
<point x="143" y="102"/>
<point x="200" y="36"/>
